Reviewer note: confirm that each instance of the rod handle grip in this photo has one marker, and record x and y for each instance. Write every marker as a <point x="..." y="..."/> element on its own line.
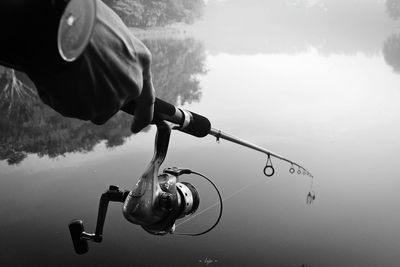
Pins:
<point x="196" y="125"/>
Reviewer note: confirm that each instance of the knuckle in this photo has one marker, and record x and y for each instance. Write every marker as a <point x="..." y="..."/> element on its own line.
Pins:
<point x="146" y="57"/>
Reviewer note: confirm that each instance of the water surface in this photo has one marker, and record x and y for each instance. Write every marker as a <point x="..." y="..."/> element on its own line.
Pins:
<point x="317" y="81"/>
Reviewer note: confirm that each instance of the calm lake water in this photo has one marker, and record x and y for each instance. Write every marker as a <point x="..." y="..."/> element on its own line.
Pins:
<point x="316" y="81"/>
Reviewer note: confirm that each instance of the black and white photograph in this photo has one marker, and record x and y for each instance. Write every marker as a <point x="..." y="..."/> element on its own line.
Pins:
<point x="182" y="133"/>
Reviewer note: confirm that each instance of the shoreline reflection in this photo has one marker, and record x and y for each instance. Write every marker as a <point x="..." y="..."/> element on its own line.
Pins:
<point x="30" y="127"/>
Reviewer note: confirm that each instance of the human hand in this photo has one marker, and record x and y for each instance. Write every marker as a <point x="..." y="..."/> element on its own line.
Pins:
<point x="114" y="70"/>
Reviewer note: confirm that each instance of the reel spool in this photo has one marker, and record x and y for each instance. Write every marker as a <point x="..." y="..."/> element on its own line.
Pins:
<point x="177" y="200"/>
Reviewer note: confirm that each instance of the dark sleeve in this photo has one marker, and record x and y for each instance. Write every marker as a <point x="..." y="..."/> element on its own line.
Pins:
<point x="103" y="79"/>
<point x="29" y="32"/>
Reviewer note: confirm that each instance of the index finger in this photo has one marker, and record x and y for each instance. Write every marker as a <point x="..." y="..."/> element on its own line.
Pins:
<point x="144" y="110"/>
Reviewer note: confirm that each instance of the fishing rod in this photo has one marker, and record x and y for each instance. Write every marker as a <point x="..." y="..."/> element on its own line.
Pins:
<point x="158" y="199"/>
<point x="200" y="126"/>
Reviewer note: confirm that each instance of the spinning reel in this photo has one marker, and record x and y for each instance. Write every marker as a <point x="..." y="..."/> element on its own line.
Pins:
<point x="155" y="202"/>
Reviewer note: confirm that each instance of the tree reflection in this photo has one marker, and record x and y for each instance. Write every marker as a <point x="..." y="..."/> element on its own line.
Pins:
<point x="393" y="8"/>
<point x="139" y="13"/>
<point x="28" y="126"/>
<point x="176" y="67"/>
<point x="391" y="47"/>
<point x="391" y="52"/>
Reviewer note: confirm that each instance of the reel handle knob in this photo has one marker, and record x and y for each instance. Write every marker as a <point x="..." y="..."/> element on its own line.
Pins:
<point x="80" y="244"/>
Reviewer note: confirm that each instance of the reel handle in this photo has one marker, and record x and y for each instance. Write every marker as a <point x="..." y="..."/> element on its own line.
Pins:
<point x="79" y="237"/>
<point x="187" y="121"/>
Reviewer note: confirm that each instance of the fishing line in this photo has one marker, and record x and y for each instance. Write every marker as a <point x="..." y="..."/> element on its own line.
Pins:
<point x="221" y="200"/>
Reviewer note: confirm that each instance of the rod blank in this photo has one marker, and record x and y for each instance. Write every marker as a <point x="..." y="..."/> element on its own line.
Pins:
<point x="222" y="135"/>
